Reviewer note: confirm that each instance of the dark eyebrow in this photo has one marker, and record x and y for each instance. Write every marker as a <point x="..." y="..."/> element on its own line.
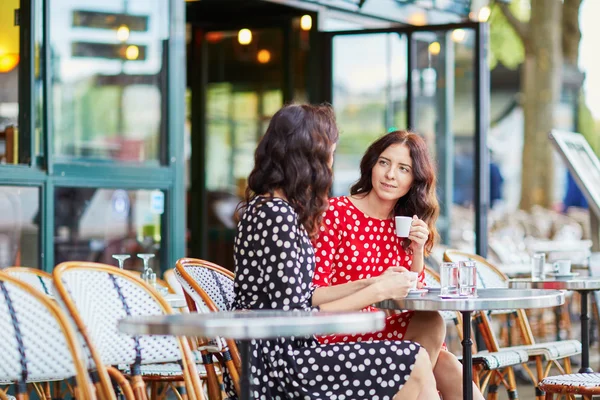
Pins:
<point x="390" y="161"/>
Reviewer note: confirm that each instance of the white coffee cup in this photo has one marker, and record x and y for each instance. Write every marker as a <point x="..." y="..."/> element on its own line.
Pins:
<point x="414" y="276"/>
<point x="562" y="267"/>
<point x="403" y="226"/>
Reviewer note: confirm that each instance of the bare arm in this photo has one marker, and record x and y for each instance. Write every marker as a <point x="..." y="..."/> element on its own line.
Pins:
<point x="417" y="261"/>
<point x="355" y="301"/>
<point x="390" y="285"/>
<point x="326" y="294"/>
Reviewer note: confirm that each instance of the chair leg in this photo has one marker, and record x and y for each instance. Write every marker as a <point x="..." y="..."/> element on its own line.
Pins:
<point x="493" y="387"/>
<point x="549" y="396"/>
<point x="512" y="382"/>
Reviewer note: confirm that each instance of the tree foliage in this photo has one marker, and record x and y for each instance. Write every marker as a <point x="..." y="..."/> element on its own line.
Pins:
<point x="505" y="44"/>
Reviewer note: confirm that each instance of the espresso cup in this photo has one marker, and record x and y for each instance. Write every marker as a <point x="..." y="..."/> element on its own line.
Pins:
<point x="415" y="276"/>
<point x="403" y="226"/>
<point x="562" y="267"/>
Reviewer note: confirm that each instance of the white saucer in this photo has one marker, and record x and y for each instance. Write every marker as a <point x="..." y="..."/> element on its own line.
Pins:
<point x="415" y="292"/>
<point x="562" y="276"/>
<point x="455" y="296"/>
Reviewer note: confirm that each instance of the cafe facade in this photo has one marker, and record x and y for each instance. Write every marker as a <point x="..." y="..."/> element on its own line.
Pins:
<point x="128" y="126"/>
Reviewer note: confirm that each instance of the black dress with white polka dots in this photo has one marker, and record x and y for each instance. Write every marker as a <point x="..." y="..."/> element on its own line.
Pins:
<point x="275" y="263"/>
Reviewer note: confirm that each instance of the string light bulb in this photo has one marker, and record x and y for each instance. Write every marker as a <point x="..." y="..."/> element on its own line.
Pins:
<point x="123" y="33"/>
<point x="245" y="36"/>
<point x="132" y="52"/>
<point x="434" y="48"/>
<point x="306" y="22"/>
<point x="484" y="14"/>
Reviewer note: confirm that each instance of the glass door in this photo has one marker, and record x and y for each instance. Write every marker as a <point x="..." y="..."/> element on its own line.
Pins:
<point x="433" y="80"/>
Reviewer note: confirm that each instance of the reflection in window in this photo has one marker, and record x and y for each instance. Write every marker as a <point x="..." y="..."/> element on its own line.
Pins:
<point x="9" y="83"/>
<point x="369" y="95"/>
<point x="243" y="92"/>
<point x="19" y="226"/>
<point x="95" y="224"/>
<point x="109" y="84"/>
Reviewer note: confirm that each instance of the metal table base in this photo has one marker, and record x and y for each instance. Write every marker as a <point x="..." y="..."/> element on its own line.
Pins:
<point x="583" y="286"/>
<point x="487" y="299"/>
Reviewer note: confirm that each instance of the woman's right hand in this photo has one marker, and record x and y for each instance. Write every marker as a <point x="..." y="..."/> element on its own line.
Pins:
<point x="394" y="285"/>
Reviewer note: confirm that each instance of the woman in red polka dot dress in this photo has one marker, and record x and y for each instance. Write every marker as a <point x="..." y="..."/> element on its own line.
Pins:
<point x="357" y="244"/>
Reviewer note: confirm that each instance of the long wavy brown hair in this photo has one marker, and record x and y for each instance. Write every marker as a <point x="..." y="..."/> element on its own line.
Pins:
<point x="293" y="157"/>
<point x="421" y="200"/>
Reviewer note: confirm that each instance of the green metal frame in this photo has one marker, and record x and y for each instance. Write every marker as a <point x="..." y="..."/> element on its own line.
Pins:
<point x="50" y="175"/>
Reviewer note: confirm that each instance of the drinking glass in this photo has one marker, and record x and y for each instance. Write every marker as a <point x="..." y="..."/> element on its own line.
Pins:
<point x="538" y="260"/>
<point x="467" y="278"/>
<point x="147" y="270"/>
<point x="121" y="259"/>
<point x="449" y="279"/>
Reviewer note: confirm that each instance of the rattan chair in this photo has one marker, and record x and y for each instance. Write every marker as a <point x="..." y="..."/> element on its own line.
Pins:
<point x="208" y="287"/>
<point x="37" y="342"/>
<point x="489" y="368"/>
<point x="586" y="385"/>
<point x="171" y="279"/>
<point x="97" y="297"/>
<point x="44" y="284"/>
<point x="488" y="276"/>
<point x="36" y="278"/>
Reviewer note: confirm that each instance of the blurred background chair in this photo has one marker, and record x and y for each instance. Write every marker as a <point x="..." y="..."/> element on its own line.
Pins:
<point x="97" y="297"/>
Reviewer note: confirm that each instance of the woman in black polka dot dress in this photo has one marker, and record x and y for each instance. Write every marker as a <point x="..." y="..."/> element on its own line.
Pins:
<point x="274" y="259"/>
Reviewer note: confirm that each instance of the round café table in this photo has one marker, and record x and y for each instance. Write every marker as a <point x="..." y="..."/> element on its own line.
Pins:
<point x="583" y="286"/>
<point x="486" y="299"/>
<point x="175" y="300"/>
<point x="245" y="325"/>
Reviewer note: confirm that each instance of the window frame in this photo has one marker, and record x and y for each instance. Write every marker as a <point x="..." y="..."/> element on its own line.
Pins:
<point x="48" y="175"/>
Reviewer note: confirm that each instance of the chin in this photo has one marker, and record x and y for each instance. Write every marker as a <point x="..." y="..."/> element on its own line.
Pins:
<point x="385" y="195"/>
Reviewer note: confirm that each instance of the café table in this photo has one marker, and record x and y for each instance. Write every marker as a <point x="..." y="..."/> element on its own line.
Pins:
<point x="486" y="299"/>
<point x="175" y="300"/>
<point x="581" y="285"/>
<point x="246" y="325"/>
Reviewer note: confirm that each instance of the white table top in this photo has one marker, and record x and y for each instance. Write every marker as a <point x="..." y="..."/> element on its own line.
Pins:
<point x="487" y="299"/>
<point x="255" y="324"/>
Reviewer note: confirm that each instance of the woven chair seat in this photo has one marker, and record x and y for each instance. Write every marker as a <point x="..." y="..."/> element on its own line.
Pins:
<point x="572" y="383"/>
<point x="552" y="350"/>
<point x="499" y="359"/>
<point x="163" y="370"/>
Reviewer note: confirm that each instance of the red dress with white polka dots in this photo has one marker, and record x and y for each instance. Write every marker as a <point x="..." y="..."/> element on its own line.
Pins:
<point x="352" y="246"/>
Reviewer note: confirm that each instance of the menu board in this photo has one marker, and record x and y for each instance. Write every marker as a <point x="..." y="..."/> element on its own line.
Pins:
<point x="582" y="162"/>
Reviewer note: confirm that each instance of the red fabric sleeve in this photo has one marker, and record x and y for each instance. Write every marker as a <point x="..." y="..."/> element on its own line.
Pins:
<point x="326" y="245"/>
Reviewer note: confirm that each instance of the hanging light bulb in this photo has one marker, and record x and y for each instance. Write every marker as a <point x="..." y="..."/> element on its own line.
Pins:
<point x="434" y="48"/>
<point x="245" y="36"/>
<point x="263" y="56"/>
<point x="123" y="33"/>
<point x="306" y="23"/>
<point x="458" y="35"/>
<point x="132" y="52"/>
<point x="484" y="14"/>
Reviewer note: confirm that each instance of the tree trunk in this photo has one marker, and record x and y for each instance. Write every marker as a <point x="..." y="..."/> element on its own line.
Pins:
<point x="541" y="88"/>
<point x="571" y="35"/>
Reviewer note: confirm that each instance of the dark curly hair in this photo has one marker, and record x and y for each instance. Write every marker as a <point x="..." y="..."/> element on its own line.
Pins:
<point x="421" y="199"/>
<point x="293" y="156"/>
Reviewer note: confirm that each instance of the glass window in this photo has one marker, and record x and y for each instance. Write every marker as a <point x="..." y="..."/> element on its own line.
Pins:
<point x="95" y="224"/>
<point x="108" y="88"/>
<point x="19" y="226"/>
<point x="10" y="55"/>
<point x="17" y="80"/>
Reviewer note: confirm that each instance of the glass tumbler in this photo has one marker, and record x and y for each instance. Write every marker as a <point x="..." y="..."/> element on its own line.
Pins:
<point x="538" y="260"/>
<point x="449" y="279"/>
<point x="467" y="278"/>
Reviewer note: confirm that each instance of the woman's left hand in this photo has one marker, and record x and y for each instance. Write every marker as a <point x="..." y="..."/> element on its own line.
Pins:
<point x="418" y="234"/>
